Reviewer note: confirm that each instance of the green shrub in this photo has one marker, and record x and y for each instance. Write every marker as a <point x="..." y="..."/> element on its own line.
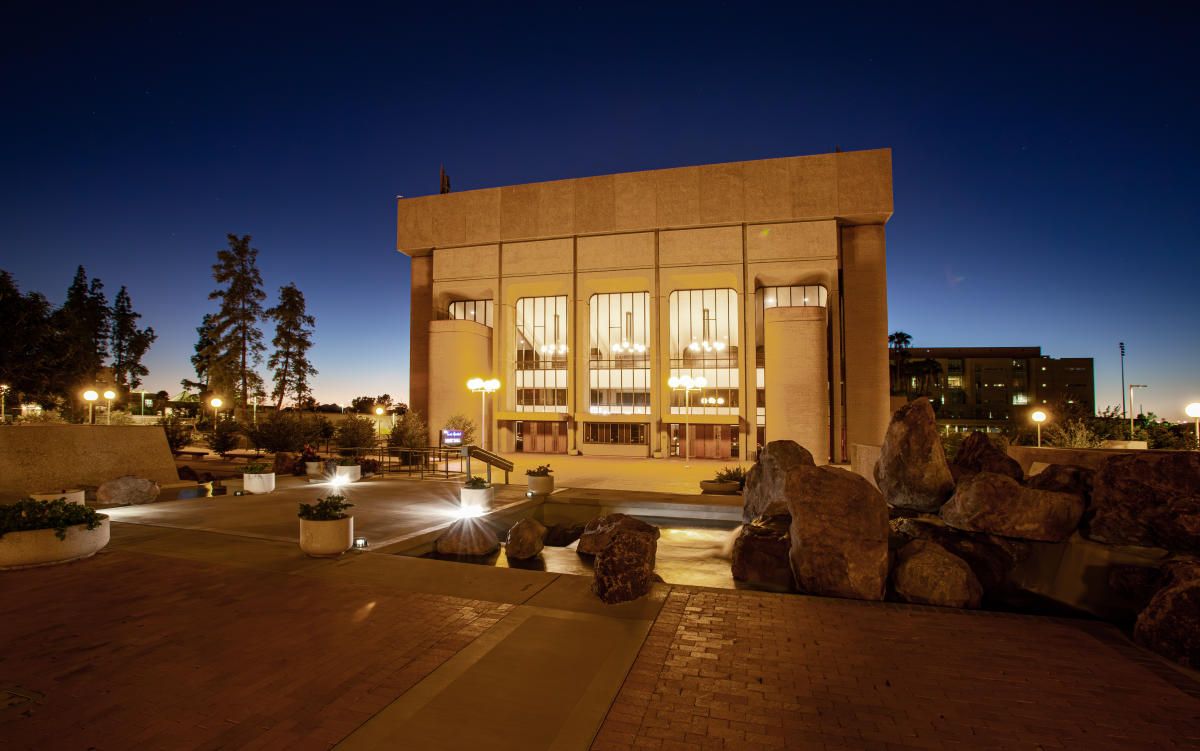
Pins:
<point x="465" y="424"/>
<point x="731" y="474"/>
<point x="347" y="461"/>
<point x="410" y="432"/>
<point x="356" y="432"/>
<point x="282" y="432"/>
<point x="541" y="470"/>
<point x="258" y="468"/>
<point x="328" y="509"/>
<point x="477" y="483"/>
<point x="179" y="433"/>
<point x="28" y="514"/>
<point x="225" y="437"/>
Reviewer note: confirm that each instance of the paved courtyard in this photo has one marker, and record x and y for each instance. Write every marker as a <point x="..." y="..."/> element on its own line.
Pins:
<point x="181" y="638"/>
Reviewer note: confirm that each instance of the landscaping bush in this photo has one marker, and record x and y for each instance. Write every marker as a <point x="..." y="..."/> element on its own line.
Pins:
<point x="410" y="432"/>
<point x="732" y="474"/>
<point x="328" y="509"/>
<point x="28" y="514"/>
<point x="369" y="466"/>
<point x="477" y="483"/>
<point x="541" y="470"/>
<point x="281" y="432"/>
<point x="356" y="432"/>
<point x="258" y="468"/>
<point x="465" y="424"/>
<point x="179" y="433"/>
<point x="225" y="437"/>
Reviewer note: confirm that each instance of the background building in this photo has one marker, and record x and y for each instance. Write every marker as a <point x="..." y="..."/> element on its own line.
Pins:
<point x="586" y="296"/>
<point x="986" y="388"/>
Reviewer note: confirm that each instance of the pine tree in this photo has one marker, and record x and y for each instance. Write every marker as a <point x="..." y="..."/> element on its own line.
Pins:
<point x="28" y="364"/>
<point x="237" y="341"/>
<point x="82" y="328"/>
<point x="293" y="338"/>
<point x="128" y="343"/>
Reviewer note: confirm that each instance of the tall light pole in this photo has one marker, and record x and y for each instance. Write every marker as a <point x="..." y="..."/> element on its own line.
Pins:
<point x="216" y="403"/>
<point x="483" y="388"/>
<point x="1133" y="386"/>
<point x="1122" y="344"/>
<point x="1193" y="410"/>
<point x="90" y="396"/>
<point x="687" y="385"/>
<point x="109" y="395"/>
<point x="3" y="395"/>
<point x="1039" y="417"/>
<point x="378" y="414"/>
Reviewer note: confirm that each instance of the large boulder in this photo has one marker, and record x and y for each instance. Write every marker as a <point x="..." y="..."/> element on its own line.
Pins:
<point x="839" y="533"/>
<point x="760" y="553"/>
<point x="599" y="532"/>
<point x="624" y="569"/>
<point x="912" y="471"/>
<point x="467" y="537"/>
<point x="562" y="535"/>
<point x="127" y="490"/>
<point x="524" y="540"/>
<point x="928" y="574"/>
<point x="990" y="557"/>
<point x="978" y="454"/>
<point x="1148" y="499"/>
<point x="1064" y="478"/>
<point x="763" y="494"/>
<point x="999" y="505"/>
<point x="1170" y="624"/>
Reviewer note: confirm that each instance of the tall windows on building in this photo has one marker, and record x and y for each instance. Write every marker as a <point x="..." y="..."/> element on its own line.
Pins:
<point x="541" y="356"/>
<point x="704" y="343"/>
<point x="479" y="311"/>
<point x="619" y="354"/>
<point x="798" y="296"/>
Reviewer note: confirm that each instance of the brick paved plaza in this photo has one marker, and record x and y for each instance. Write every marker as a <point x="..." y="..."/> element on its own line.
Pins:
<point x="174" y="639"/>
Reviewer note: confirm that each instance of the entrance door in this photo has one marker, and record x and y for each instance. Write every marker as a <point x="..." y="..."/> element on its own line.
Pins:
<point x="708" y="441"/>
<point x="533" y="437"/>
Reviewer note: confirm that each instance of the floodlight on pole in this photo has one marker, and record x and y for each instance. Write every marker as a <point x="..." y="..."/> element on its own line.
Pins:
<point x="109" y="395"/>
<point x="90" y="396"/>
<point x="483" y="388"/>
<point x="1039" y="417"/>
<point x="1133" y="386"/>
<point x="1193" y="410"/>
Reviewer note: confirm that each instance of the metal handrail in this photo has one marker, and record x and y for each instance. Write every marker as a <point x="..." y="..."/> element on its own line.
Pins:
<point x="489" y="459"/>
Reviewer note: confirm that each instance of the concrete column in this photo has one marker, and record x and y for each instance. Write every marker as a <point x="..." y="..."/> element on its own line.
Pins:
<point x="458" y="352"/>
<point x="864" y="283"/>
<point x="420" y="314"/>
<point x="797" y="378"/>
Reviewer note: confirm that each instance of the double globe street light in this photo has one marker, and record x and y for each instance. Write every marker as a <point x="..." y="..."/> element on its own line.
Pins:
<point x="483" y="388"/>
<point x="687" y="384"/>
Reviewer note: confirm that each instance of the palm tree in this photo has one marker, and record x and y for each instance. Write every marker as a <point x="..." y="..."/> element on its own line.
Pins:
<point x="899" y="341"/>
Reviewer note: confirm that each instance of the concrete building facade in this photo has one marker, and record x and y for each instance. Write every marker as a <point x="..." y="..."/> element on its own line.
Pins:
<point x="585" y="297"/>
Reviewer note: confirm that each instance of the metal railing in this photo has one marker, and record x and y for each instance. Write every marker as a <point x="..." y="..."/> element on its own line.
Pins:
<point x="489" y="459"/>
<point x="432" y="462"/>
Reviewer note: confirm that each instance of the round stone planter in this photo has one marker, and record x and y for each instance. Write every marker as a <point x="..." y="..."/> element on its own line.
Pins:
<point x="314" y="469"/>
<point x="720" y="488"/>
<point x="352" y="473"/>
<point x="327" y="539"/>
<point x="258" y="484"/>
<point x="539" y="485"/>
<point x="71" y="496"/>
<point x="480" y="498"/>
<point x="40" y="547"/>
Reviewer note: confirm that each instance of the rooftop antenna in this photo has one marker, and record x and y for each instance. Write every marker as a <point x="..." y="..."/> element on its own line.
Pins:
<point x="445" y="179"/>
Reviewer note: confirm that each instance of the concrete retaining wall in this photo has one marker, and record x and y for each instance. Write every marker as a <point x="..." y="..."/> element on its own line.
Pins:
<point x="43" y="458"/>
<point x="1026" y="456"/>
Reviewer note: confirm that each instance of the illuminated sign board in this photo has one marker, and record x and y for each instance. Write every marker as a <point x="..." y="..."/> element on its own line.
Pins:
<point x="452" y="437"/>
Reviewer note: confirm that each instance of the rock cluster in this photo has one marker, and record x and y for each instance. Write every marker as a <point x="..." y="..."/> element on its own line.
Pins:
<point x="1148" y="499"/>
<point x="127" y="490"/>
<point x="525" y="540"/>
<point x="760" y="553"/>
<point x="562" y="535"/>
<point x="764" y="494"/>
<point x="978" y="454"/>
<point x="999" y="505"/>
<point x="928" y="574"/>
<point x="625" y="549"/>
<point x="598" y="533"/>
<point x="1170" y="624"/>
<point x="912" y="471"/>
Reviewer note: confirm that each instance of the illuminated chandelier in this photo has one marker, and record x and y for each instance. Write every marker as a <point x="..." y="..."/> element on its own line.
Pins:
<point x="707" y="346"/>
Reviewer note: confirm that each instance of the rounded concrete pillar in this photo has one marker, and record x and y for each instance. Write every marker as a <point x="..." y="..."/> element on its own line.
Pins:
<point x="797" y="378"/>
<point x="458" y="352"/>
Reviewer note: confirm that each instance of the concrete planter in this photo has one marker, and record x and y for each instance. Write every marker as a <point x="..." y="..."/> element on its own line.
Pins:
<point x="480" y="498"/>
<point x="71" y="496"/>
<point x="40" y="547"/>
<point x="314" y="469"/>
<point x="327" y="539"/>
<point x="719" y="488"/>
<point x="352" y="473"/>
<point x="539" y="485"/>
<point x="258" y="484"/>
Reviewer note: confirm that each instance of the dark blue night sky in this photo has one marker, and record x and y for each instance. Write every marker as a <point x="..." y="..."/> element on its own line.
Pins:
<point x="1046" y="161"/>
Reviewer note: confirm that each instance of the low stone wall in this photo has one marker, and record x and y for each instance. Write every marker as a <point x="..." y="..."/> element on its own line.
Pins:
<point x="1026" y="456"/>
<point x="43" y="458"/>
<point x="862" y="460"/>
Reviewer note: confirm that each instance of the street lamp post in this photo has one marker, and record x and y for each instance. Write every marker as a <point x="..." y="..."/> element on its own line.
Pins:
<point x="1133" y="386"/>
<point x="3" y="395"/>
<point x="216" y="403"/>
<point x="1193" y="410"/>
<point x="687" y="385"/>
<point x="483" y="388"/>
<point x="109" y="395"/>
<point x="90" y="396"/>
<point x="378" y="414"/>
<point x="1039" y="417"/>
